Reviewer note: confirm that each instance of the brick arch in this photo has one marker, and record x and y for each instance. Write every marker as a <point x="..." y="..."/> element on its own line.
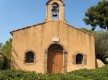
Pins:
<point x="64" y="49"/>
<point x="32" y="52"/>
<point x="84" y="61"/>
<point x="58" y="2"/>
<point x="64" y="58"/>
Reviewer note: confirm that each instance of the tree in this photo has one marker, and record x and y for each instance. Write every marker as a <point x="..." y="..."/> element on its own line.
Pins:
<point x="1" y="45"/>
<point x="97" y="15"/>
<point x="7" y="53"/>
<point x="86" y="30"/>
<point x="1" y="61"/>
<point x="101" y="44"/>
<point x="7" y="48"/>
<point x="1" y="57"/>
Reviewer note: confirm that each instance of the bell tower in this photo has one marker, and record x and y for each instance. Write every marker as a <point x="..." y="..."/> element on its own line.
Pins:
<point x="55" y="10"/>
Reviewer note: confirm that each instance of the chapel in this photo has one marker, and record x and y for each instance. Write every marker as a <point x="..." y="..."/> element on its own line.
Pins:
<point x="53" y="46"/>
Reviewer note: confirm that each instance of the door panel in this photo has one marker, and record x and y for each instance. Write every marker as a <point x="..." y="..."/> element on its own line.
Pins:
<point x="55" y="62"/>
<point x="58" y="62"/>
<point x="50" y="62"/>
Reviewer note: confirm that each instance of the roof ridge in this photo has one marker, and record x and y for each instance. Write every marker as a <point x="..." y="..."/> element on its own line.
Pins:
<point x="26" y="27"/>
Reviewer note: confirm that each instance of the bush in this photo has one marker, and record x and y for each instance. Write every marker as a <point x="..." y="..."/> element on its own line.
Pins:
<point x="84" y="74"/>
<point x="97" y="74"/>
<point x="6" y="49"/>
<point x="22" y="75"/>
<point x="7" y="63"/>
<point x="1" y="63"/>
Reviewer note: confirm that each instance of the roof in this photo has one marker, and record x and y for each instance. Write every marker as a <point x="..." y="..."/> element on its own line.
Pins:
<point x="52" y="0"/>
<point x="27" y="27"/>
<point x="46" y="22"/>
<point x="81" y="30"/>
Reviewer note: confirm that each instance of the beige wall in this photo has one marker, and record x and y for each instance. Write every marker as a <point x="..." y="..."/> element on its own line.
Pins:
<point x="38" y="38"/>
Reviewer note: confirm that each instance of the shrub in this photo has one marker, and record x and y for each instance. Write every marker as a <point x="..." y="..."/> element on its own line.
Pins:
<point x="1" y="63"/>
<point x="84" y="74"/>
<point x="97" y="74"/>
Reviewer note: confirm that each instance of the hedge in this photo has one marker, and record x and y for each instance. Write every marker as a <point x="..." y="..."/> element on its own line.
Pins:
<point x="84" y="74"/>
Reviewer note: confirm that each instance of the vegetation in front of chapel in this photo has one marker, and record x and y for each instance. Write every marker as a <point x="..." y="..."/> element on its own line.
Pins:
<point x="84" y="74"/>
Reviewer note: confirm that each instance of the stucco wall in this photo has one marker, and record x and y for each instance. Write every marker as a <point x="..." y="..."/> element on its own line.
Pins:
<point x="80" y="42"/>
<point x="38" y="38"/>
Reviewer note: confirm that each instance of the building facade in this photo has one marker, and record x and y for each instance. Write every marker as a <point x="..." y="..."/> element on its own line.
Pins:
<point x="52" y="46"/>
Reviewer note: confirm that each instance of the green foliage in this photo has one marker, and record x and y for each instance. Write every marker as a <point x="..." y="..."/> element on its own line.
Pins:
<point x="97" y="15"/>
<point x="84" y="74"/>
<point x="22" y="75"/>
<point x="7" y="48"/>
<point x="1" y="62"/>
<point x="98" y="74"/>
<point x="101" y="44"/>
<point x="7" y="53"/>
<point x="86" y="30"/>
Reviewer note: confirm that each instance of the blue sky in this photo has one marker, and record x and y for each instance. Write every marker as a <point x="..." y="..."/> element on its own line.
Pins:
<point x="15" y="14"/>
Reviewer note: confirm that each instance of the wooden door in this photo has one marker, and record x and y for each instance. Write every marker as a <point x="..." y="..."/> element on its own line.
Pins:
<point x="55" y="62"/>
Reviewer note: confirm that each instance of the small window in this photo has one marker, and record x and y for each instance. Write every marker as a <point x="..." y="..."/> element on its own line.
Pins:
<point x="79" y="59"/>
<point x="29" y="57"/>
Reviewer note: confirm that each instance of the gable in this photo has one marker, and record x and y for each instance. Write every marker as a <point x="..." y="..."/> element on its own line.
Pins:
<point x="12" y="32"/>
<point x="52" y="25"/>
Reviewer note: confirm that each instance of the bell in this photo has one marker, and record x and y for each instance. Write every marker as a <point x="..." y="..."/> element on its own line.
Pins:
<point x="54" y="13"/>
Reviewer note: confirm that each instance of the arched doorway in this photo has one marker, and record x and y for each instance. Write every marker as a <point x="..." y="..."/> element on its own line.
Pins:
<point x="55" y="59"/>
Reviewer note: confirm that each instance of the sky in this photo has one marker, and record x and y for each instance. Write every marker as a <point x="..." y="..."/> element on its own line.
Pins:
<point x="15" y="14"/>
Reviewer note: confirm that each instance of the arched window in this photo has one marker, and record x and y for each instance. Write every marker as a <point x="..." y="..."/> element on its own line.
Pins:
<point x="55" y="47"/>
<point x="29" y="57"/>
<point x="55" y="11"/>
<point x="79" y="59"/>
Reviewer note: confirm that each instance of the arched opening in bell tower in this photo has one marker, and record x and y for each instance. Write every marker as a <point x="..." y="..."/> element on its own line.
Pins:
<point x="55" y="11"/>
